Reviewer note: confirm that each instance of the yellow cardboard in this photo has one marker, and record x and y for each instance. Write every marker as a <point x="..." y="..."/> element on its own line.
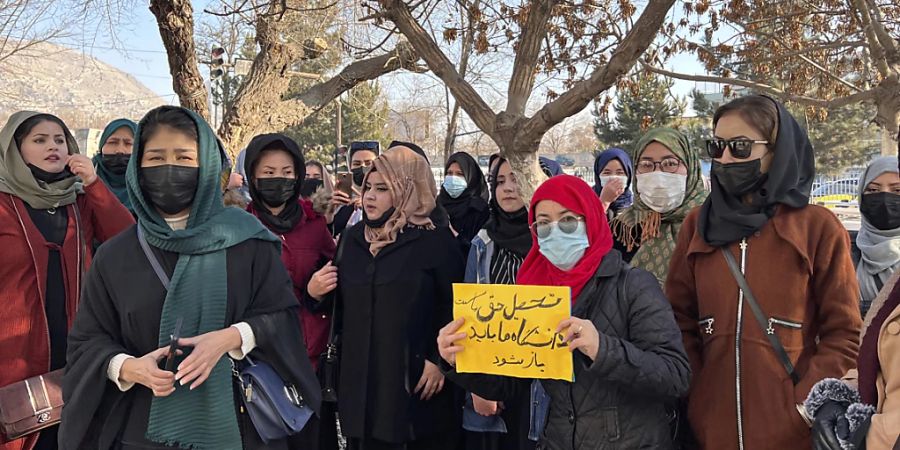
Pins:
<point x="511" y="330"/>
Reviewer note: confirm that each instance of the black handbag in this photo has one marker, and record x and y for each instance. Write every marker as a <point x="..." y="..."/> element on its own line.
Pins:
<point x="329" y="361"/>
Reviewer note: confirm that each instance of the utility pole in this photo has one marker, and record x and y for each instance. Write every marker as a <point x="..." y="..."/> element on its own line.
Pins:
<point x="339" y="123"/>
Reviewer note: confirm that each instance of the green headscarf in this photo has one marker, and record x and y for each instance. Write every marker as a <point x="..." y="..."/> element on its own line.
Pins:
<point x="16" y="178"/>
<point x="658" y="232"/>
<point x="115" y="183"/>
<point x="205" y="417"/>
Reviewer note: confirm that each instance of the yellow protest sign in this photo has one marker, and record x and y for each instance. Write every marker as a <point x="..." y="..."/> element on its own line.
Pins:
<point x="511" y="330"/>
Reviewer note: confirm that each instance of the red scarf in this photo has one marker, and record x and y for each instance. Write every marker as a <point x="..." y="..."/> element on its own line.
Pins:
<point x="576" y="196"/>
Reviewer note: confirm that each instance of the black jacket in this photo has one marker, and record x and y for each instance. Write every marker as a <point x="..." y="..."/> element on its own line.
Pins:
<point x="121" y="306"/>
<point x="391" y="308"/>
<point x="619" y="400"/>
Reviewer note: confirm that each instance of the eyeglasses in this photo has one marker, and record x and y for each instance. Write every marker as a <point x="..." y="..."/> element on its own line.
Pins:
<point x="668" y="165"/>
<point x="567" y="225"/>
<point x="740" y="148"/>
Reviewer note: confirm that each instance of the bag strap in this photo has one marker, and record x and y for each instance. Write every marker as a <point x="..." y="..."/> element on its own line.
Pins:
<point x="163" y="278"/>
<point x="760" y="316"/>
<point x="338" y="256"/>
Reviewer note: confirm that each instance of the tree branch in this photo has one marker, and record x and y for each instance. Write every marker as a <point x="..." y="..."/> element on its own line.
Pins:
<point x="175" y="19"/>
<point x="534" y="31"/>
<point x="801" y="99"/>
<point x="402" y="57"/>
<point x="477" y="109"/>
<point x="623" y="59"/>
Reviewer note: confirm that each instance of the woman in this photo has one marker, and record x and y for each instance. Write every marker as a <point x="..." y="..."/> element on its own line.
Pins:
<point x="116" y="144"/>
<point x="317" y="178"/>
<point x="861" y="411"/>
<point x="877" y="247"/>
<point x="276" y="168"/>
<point x="668" y="186"/>
<point x="51" y="209"/>
<point x="753" y="366"/>
<point x="192" y="261"/>
<point x="612" y="181"/>
<point x="345" y="210"/>
<point x="394" y="292"/>
<point x="628" y="356"/>
<point x="464" y="194"/>
<point x="496" y="255"/>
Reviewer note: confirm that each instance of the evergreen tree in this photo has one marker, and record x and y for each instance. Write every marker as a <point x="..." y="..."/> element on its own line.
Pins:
<point x="645" y="103"/>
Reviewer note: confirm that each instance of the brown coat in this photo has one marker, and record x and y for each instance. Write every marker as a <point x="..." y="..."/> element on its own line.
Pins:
<point x="799" y="268"/>
<point x="885" y="429"/>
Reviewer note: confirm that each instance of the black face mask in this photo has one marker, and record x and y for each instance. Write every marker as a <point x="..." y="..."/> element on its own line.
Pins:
<point x="359" y="175"/>
<point x="170" y="188"/>
<point x="116" y="163"/>
<point x="275" y="191"/>
<point x="50" y="177"/>
<point x="739" y="178"/>
<point x="882" y="210"/>
<point x="379" y="222"/>
<point x="310" y="186"/>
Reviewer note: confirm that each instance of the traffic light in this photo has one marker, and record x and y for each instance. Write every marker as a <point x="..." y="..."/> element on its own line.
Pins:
<point x="217" y="63"/>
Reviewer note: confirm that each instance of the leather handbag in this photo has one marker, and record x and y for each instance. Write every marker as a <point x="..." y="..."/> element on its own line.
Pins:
<point x="31" y="405"/>
<point x="329" y="361"/>
<point x="276" y="409"/>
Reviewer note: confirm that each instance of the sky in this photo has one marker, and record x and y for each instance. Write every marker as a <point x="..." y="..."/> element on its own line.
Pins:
<point x="140" y="52"/>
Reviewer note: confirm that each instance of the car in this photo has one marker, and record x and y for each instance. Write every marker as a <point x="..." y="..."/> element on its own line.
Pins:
<point x="836" y="194"/>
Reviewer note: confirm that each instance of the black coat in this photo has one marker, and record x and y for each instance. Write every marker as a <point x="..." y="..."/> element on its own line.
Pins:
<point x="619" y="400"/>
<point x="391" y="309"/>
<point x="121" y="306"/>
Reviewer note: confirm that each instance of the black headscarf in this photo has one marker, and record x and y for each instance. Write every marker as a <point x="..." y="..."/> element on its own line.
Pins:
<point x="725" y="219"/>
<point x="508" y="230"/>
<point x="474" y="197"/>
<point x="290" y="216"/>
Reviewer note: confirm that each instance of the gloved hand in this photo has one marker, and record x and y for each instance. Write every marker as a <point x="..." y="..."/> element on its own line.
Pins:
<point x="829" y="425"/>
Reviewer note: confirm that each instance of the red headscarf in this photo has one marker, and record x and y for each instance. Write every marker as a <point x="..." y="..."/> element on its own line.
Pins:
<point x="576" y="196"/>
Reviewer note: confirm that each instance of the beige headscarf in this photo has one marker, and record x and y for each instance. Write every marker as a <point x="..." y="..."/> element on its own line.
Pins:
<point x="413" y="193"/>
<point x="16" y="178"/>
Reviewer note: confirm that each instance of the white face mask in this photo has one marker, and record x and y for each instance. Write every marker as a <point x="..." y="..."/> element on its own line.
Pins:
<point x="605" y="180"/>
<point x="661" y="191"/>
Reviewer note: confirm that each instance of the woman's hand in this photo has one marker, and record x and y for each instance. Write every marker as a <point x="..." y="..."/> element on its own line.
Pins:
<point x="484" y="407"/>
<point x="611" y="191"/>
<point x="581" y="335"/>
<point x="431" y="383"/>
<point x="208" y="350"/>
<point x="82" y="167"/>
<point x="323" y="282"/>
<point x="145" y="371"/>
<point x="447" y="339"/>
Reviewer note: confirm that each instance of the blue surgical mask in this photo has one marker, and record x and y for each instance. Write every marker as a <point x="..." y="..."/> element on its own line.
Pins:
<point x="454" y="185"/>
<point x="564" y="250"/>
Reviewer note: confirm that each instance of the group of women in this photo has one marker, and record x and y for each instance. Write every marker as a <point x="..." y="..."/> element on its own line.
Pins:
<point x="713" y="320"/>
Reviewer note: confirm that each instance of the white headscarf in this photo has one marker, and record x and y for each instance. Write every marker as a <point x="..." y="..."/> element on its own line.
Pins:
<point x="880" y="249"/>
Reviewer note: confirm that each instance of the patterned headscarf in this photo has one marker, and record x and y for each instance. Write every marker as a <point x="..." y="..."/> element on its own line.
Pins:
<point x="658" y="232"/>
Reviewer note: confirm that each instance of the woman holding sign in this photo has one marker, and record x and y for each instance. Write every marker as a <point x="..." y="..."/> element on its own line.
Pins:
<point x="627" y="352"/>
<point x="394" y="293"/>
<point x="496" y="255"/>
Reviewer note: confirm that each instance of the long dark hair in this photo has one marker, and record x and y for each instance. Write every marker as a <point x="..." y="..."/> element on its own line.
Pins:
<point x="29" y="124"/>
<point x="758" y="110"/>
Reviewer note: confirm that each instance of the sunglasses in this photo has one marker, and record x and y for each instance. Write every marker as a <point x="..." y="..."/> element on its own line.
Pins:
<point x="567" y="225"/>
<point x="740" y="148"/>
<point x="365" y="145"/>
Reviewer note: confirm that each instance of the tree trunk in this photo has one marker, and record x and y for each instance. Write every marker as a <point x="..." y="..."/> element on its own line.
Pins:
<point x="450" y="139"/>
<point x="887" y="103"/>
<point x="175" y="19"/>
<point x="524" y="163"/>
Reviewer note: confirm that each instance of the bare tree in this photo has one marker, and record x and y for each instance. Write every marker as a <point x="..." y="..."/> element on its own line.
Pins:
<point x="260" y="105"/>
<point x="588" y="45"/>
<point x="823" y="55"/>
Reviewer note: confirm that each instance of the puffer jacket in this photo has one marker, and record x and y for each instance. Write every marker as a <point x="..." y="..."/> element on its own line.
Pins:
<point x="618" y="401"/>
